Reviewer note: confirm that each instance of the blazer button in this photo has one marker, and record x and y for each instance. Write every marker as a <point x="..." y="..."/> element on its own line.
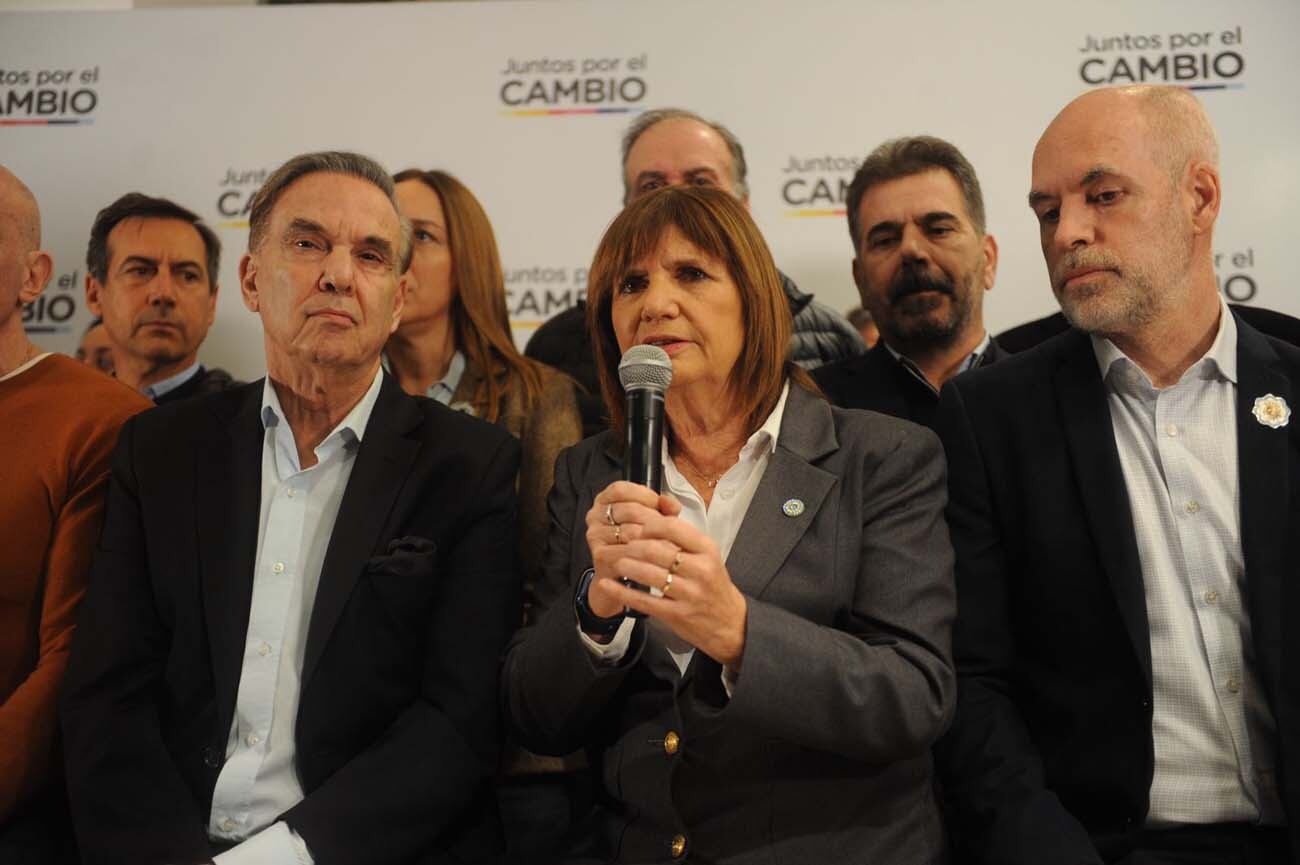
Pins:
<point x="678" y="846"/>
<point x="211" y="758"/>
<point x="671" y="743"/>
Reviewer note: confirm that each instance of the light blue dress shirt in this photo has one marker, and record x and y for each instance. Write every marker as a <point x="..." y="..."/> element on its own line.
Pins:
<point x="167" y="385"/>
<point x="258" y="781"/>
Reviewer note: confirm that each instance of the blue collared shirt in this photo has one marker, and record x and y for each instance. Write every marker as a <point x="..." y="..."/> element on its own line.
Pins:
<point x="970" y="363"/>
<point x="1211" y="725"/>
<point x="298" y="508"/>
<point x="161" y="388"/>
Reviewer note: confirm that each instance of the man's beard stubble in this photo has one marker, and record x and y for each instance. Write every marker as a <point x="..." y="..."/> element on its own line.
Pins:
<point x="911" y="326"/>
<point x="1125" y="307"/>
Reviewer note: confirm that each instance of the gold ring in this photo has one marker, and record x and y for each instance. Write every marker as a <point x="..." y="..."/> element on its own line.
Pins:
<point x="677" y="563"/>
<point x="609" y="514"/>
<point x="668" y="584"/>
<point x="618" y="533"/>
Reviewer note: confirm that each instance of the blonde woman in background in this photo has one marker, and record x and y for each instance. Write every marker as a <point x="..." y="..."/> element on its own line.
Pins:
<point x="454" y="343"/>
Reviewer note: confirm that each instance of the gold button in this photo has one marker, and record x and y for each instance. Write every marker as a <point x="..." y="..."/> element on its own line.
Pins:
<point x="671" y="743"/>
<point x="678" y="847"/>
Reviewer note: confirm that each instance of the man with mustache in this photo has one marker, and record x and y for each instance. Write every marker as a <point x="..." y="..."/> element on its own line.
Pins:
<point x="923" y="263"/>
<point x="289" y="648"/>
<point x="151" y="275"/>
<point x="1124" y="502"/>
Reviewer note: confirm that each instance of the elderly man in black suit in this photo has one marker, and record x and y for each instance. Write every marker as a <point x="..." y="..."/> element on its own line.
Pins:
<point x="290" y="645"/>
<point x="1123" y="507"/>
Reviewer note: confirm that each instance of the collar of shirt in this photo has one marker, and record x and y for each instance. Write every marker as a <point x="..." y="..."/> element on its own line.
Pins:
<point x="347" y="434"/>
<point x="167" y="385"/>
<point x="970" y="363"/>
<point x="440" y="391"/>
<point x="762" y="441"/>
<point x="764" y="438"/>
<point x="1220" y="360"/>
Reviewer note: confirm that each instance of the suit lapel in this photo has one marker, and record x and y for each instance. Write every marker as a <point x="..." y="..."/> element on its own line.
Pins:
<point x="382" y="462"/>
<point x="1264" y="473"/>
<point x="768" y="533"/>
<point x="1085" y="419"/>
<point x="229" y="473"/>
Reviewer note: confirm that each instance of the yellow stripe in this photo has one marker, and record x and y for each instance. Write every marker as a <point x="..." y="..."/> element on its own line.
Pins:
<point x="814" y="213"/>
<point x="233" y="223"/>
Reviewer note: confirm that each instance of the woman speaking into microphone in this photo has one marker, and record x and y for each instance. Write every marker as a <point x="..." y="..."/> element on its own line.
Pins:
<point x="757" y="659"/>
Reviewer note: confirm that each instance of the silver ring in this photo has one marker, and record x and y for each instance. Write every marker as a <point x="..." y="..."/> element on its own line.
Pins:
<point x="609" y="514"/>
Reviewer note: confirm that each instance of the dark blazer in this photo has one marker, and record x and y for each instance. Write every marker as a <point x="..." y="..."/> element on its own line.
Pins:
<point x="396" y="732"/>
<point x="1050" y="757"/>
<point x="823" y="752"/>
<point x="878" y="382"/>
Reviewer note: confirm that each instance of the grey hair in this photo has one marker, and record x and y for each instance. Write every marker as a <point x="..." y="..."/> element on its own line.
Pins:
<point x="739" y="170"/>
<point x="328" y="162"/>
<point x="905" y="157"/>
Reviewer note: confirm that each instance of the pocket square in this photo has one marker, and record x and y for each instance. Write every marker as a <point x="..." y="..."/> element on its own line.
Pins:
<point x="409" y="556"/>
<point x="410" y="544"/>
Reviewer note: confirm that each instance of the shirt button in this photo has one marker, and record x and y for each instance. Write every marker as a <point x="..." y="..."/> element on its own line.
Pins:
<point x="290" y="492"/>
<point x="678" y="846"/>
<point x="277" y="568"/>
<point x="1234" y="684"/>
<point x="264" y="649"/>
<point x="1211" y="597"/>
<point x="253" y="740"/>
<point x="671" y="743"/>
<point x="1171" y="431"/>
<point x="227" y="825"/>
<point x="1192" y="507"/>
<point x="727" y="495"/>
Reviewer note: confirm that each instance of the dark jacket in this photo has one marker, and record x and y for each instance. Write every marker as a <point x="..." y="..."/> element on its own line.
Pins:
<point x="396" y="733"/>
<point x="1050" y="757"/>
<point x="880" y="382"/>
<point x="821" y="335"/>
<point x="822" y="754"/>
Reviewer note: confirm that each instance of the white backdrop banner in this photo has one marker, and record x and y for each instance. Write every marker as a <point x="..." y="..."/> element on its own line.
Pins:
<point x="526" y="103"/>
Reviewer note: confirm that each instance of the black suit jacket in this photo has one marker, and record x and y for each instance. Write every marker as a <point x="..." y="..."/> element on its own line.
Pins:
<point x="1050" y="757"/>
<point x="878" y="382"/>
<point x="396" y="733"/>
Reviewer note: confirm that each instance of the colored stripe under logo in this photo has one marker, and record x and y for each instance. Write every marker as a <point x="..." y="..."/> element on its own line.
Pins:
<point x="840" y="211"/>
<point x="58" y="121"/>
<point x="567" y="112"/>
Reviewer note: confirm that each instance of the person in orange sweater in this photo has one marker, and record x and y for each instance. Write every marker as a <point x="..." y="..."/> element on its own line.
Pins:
<point x="60" y="421"/>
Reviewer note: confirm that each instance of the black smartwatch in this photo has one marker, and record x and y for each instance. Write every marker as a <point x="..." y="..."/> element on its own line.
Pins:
<point x="596" y="626"/>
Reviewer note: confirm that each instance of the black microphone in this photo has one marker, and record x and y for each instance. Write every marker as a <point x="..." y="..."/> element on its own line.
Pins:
<point x="645" y="372"/>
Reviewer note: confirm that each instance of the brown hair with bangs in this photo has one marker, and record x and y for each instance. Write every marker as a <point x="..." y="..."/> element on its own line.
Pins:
<point x="479" y="319"/>
<point x="720" y="227"/>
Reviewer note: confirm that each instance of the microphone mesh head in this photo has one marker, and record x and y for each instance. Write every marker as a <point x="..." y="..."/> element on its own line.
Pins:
<point x="645" y="366"/>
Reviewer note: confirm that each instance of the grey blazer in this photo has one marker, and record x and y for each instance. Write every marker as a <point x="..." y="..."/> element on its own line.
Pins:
<point x="822" y="754"/>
